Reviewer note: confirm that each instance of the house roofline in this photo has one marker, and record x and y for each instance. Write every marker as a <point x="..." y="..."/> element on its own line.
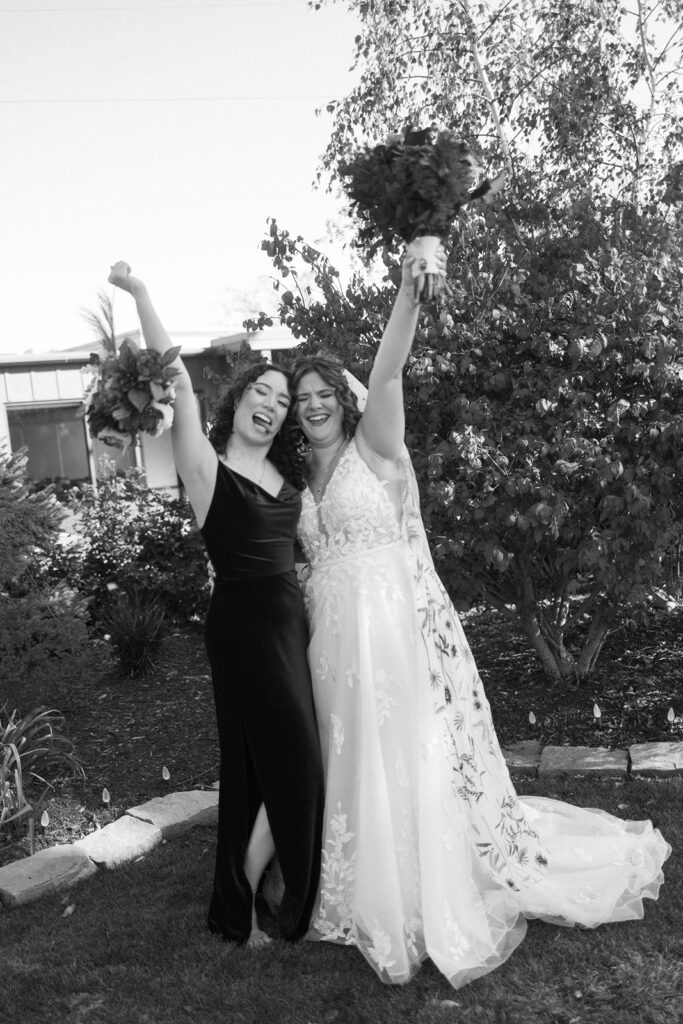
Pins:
<point x="192" y="343"/>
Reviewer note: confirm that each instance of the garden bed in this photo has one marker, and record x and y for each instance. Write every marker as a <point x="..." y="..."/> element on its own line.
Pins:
<point x="127" y="731"/>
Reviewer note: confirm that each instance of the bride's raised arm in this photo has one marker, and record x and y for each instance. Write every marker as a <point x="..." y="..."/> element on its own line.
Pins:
<point x="194" y="455"/>
<point x="382" y="427"/>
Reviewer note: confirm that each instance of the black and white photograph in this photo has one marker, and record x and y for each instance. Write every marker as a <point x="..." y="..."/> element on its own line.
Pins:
<point x="341" y="511"/>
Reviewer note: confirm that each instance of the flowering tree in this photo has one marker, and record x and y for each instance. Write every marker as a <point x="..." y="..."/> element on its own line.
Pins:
<point x="545" y="398"/>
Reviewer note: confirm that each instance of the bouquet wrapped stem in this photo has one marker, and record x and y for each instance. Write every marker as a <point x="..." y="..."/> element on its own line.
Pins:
<point x="427" y="277"/>
<point x="423" y="249"/>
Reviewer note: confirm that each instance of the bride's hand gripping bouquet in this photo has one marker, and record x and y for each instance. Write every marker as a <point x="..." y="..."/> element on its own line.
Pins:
<point x="133" y="391"/>
<point x="413" y="187"/>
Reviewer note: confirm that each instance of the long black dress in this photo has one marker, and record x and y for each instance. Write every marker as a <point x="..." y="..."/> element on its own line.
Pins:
<point x="256" y="639"/>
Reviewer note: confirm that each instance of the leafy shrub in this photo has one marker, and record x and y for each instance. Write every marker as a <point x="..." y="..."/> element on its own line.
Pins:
<point x="127" y="536"/>
<point x="43" y="622"/>
<point x="34" y="755"/>
<point x="44" y="633"/>
<point x="27" y="521"/>
<point x="135" y="626"/>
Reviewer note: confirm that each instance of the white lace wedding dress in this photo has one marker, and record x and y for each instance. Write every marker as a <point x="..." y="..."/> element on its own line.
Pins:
<point x="427" y="850"/>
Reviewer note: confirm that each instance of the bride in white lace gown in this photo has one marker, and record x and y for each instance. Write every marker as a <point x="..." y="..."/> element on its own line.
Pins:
<point x="427" y="849"/>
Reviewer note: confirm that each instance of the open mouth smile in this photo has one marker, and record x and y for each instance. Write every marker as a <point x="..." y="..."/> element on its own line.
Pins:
<point x="261" y="420"/>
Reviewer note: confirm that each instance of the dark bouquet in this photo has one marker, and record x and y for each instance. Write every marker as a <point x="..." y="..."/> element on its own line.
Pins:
<point x="133" y="392"/>
<point x="413" y="187"/>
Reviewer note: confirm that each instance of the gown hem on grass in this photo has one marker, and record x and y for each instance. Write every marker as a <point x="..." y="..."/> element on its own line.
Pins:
<point x="427" y="849"/>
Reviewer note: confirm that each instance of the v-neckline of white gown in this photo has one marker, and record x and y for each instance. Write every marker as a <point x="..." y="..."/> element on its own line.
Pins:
<point x="330" y="476"/>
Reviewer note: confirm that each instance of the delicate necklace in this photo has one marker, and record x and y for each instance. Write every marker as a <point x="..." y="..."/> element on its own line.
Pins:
<point x="329" y="470"/>
<point x="257" y="478"/>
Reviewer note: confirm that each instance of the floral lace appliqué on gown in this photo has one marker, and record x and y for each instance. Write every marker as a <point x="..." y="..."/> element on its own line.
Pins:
<point x="427" y="849"/>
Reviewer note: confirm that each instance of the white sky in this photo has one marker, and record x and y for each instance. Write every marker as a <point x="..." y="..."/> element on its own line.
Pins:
<point x="164" y="134"/>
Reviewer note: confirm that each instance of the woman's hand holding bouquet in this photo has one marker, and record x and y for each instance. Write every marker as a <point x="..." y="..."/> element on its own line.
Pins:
<point x="424" y="273"/>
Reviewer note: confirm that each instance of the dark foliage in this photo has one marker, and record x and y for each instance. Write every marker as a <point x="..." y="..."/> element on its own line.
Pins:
<point x="43" y="622"/>
<point x="410" y="186"/>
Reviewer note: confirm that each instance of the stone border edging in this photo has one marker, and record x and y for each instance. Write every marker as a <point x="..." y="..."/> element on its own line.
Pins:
<point x="143" y="827"/>
<point x="644" y="760"/>
<point x="131" y="836"/>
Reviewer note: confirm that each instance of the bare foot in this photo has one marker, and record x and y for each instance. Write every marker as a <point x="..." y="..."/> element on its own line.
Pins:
<point x="258" y="938"/>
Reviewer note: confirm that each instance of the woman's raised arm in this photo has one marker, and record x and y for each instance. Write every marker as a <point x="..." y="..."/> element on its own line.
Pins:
<point x="382" y="426"/>
<point x="194" y="455"/>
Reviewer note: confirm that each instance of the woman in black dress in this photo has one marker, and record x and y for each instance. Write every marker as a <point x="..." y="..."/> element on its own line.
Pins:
<point x="271" y="780"/>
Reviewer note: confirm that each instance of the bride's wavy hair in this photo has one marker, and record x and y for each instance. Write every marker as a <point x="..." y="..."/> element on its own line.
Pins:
<point x="331" y="370"/>
<point x="285" y="452"/>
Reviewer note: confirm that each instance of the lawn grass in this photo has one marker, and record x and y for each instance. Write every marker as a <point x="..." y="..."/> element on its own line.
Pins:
<point x="130" y="947"/>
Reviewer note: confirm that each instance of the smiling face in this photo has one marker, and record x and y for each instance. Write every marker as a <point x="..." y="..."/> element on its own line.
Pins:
<point x="318" y="410"/>
<point x="263" y="407"/>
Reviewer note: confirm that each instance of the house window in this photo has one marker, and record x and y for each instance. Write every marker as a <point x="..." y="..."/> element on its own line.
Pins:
<point x="56" y="442"/>
<point x="55" y="436"/>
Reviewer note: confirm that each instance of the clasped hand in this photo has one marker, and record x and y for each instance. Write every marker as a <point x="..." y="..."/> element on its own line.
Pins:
<point x="425" y="286"/>
<point x="119" y="276"/>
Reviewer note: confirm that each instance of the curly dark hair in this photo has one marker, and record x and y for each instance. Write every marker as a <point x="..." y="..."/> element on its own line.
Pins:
<point x="286" y="452"/>
<point x="331" y="370"/>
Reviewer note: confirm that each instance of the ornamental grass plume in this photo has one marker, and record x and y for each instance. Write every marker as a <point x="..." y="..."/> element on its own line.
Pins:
<point x="135" y="625"/>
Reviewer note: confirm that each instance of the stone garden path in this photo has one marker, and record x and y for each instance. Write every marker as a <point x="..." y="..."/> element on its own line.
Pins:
<point x="143" y="827"/>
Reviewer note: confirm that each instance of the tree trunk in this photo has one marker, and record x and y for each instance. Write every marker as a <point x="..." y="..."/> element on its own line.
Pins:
<point x="559" y="663"/>
<point x="599" y="630"/>
<point x="541" y="646"/>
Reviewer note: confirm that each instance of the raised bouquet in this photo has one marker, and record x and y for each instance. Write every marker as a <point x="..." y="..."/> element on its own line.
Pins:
<point x="413" y="187"/>
<point x="133" y="392"/>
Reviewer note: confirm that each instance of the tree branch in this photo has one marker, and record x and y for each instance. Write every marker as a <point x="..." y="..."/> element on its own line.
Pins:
<point x="493" y="21"/>
<point x="663" y="52"/>
<point x="486" y="86"/>
<point x="643" y="15"/>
